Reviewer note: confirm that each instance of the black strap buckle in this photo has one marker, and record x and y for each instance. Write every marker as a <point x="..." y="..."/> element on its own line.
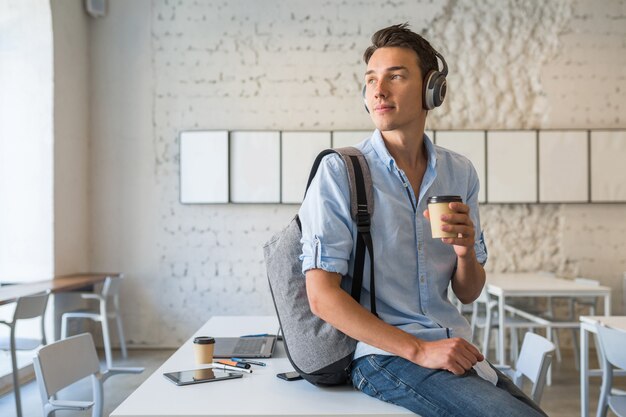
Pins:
<point x="362" y="219"/>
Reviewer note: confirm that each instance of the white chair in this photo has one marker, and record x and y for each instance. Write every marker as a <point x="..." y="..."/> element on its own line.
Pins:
<point x="108" y="308"/>
<point x="550" y="316"/>
<point x="590" y="303"/>
<point x="60" y="364"/>
<point x="26" y="308"/>
<point x="485" y="317"/>
<point x="534" y="360"/>
<point x="612" y="345"/>
<point x="464" y="309"/>
<point x="573" y="305"/>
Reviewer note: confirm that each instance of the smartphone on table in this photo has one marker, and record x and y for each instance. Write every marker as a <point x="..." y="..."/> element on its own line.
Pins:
<point x="197" y="376"/>
<point x="289" y="376"/>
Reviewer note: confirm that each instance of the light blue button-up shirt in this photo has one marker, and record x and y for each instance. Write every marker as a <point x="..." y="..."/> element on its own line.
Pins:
<point x="412" y="269"/>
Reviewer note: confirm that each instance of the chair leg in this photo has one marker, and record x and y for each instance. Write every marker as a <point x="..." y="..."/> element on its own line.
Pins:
<point x="44" y="339"/>
<point x="486" y="331"/>
<point x="98" y="397"/>
<point x="106" y="339"/>
<point x="16" y="379"/>
<point x="557" y="343"/>
<point x="473" y="321"/>
<point x="596" y="343"/>
<point x="575" y="339"/>
<point x="120" y="334"/>
<point x="605" y="390"/>
<point x="64" y="320"/>
<point x="549" y="334"/>
<point x="514" y="345"/>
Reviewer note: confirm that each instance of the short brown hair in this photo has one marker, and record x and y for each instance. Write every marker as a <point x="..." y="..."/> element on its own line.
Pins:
<point x="401" y="36"/>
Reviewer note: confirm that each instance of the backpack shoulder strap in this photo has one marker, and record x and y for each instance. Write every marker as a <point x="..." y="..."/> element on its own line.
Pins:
<point x="359" y="178"/>
<point x="361" y="209"/>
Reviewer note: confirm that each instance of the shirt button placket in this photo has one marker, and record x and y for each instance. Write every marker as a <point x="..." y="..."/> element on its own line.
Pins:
<point x="420" y="263"/>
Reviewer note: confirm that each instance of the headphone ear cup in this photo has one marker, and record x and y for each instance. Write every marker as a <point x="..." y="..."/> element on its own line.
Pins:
<point x="364" y="99"/>
<point x="434" y="90"/>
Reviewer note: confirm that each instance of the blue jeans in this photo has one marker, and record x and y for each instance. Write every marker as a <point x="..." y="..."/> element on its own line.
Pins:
<point x="433" y="392"/>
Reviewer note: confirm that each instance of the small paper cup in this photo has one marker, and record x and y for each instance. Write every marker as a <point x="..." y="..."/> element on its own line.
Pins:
<point x="203" y="347"/>
<point x="438" y="205"/>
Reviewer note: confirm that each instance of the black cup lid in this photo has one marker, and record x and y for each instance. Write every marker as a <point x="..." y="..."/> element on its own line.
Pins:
<point x="445" y="199"/>
<point x="204" y="340"/>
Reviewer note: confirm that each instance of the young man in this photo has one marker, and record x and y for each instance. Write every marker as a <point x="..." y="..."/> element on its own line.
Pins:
<point x="416" y="353"/>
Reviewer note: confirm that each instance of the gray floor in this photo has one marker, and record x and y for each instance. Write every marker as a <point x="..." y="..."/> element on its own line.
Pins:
<point x="562" y="399"/>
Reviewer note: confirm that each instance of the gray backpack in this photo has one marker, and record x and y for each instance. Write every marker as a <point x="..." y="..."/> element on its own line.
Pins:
<point x="320" y="353"/>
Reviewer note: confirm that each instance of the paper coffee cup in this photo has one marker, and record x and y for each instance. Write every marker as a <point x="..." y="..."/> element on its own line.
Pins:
<point x="203" y="347"/>
<point x="438" y="205"/>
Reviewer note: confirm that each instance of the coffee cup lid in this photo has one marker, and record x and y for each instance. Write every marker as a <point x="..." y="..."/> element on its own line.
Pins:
<point x="445" y="199"/>
<point x="204" y="340"/>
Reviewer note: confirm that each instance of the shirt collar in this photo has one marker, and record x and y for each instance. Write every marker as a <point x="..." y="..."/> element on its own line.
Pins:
<point x="431" y="169"/>
<point x="431" y="152"/>
<point x="381" y="150"/>
<point x="379" y="146"/>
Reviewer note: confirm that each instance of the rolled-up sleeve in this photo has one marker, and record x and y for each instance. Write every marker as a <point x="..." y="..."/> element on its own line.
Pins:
<point x="472" y="201"/>
<point x="327" y="228"/>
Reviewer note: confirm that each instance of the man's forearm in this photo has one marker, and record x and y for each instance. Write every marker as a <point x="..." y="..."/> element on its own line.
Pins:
<point x="469" y="278"/>
<point x="335" y="306"/>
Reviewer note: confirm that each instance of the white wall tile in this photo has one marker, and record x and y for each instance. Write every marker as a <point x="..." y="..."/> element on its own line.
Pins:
<point x="299" y="150"/>
<point x="512" y="166"/>
<point x="204" y="167"/>
<point x="563" y="166"/>
<point x="608" y="165"/>
<point x="470" y="144"/>
<point x="255" y="167"/>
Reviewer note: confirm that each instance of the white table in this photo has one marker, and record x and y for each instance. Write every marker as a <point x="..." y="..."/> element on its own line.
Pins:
<point x="256" y="394"/>
<point x="588" y="325"/>
<point x="539" y="285"/>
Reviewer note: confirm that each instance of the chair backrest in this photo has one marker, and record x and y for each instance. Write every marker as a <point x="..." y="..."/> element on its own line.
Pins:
<point x="534" y="360"/>
<point x="613" y="344"/>
<point x="31" y="307"/>
<point x="62" y="363"/>
<point x="485" y="298"/>
<point x="485" y="304"/>
<point x="111" y="286"/>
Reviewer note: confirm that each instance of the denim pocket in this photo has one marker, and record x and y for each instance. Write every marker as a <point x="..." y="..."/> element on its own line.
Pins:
<point x="357" y="379"/>
<point x="361" y="383"/>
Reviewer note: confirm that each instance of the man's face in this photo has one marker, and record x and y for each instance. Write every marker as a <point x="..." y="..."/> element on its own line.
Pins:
<point x="393" y="89"/>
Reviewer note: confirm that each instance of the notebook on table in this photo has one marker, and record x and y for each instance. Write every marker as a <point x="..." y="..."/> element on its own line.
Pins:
<point x="244" y="347"/>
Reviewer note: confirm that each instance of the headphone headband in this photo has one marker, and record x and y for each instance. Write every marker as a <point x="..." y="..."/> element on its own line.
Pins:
<point x="444" y="71"/>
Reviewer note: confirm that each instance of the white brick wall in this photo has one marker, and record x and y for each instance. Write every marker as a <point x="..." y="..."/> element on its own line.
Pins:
<point x="296" y="65"/>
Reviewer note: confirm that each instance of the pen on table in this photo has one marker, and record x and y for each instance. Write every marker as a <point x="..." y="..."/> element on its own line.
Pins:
<point x="256" y="335"/>
<point x="248" y="361"/>
<point x="235" y="364"/>
<point x="230" y="368"/>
